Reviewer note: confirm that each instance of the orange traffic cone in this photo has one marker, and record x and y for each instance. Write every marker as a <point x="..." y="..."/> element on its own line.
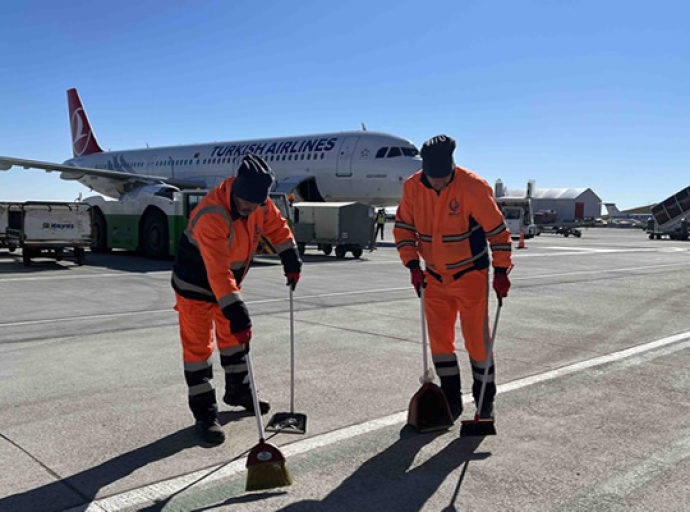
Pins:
<point x="521" y="243"/>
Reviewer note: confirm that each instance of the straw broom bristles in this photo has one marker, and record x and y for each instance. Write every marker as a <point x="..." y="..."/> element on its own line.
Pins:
<point x="268" y="476"/>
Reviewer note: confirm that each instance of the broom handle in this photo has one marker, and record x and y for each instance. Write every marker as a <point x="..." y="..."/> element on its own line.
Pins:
<point x="255" y="396"/>
<point x="488" y="357"/>
<point x="292" y="352"/>
<point x="422" y="315"/>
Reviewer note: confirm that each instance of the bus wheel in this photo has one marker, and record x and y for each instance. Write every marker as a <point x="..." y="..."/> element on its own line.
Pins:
<point x="154" y="239"/>
<point x="99" y="242"/>
<point x="327" y="249"/>
<point x="357" y="252"/>
<point x="340" y="251"/>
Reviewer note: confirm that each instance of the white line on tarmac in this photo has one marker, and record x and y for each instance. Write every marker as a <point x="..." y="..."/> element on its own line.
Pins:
<point x="325" y="295"/>
<point x="162" y="490"/>
<point x="632" y="478"/>
<point x="170" y="310"/>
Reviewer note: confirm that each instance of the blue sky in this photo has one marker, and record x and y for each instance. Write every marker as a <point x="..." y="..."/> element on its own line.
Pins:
<point x="568" y="93"/>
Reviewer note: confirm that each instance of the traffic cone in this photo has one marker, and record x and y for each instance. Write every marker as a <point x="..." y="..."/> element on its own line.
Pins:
<point x="521" y="243"/>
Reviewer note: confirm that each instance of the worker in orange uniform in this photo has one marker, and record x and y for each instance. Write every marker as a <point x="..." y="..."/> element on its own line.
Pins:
<point x="212" y="259"/>
<point x="446" y="216"/>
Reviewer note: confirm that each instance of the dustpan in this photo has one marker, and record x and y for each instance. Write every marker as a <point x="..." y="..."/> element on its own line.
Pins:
<point x="429" y="410"/>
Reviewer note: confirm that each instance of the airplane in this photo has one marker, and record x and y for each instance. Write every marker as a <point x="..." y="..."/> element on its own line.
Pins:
<point x="365" y="166"/>
<point x="621" y="219"/>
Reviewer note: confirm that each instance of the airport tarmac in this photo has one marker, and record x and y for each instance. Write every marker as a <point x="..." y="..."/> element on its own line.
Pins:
<point x="593" y="367"/>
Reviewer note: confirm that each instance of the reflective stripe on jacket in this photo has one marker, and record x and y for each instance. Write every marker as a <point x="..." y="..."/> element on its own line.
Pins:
<point x="449" y="230"/>
<point x="216" y="250"/>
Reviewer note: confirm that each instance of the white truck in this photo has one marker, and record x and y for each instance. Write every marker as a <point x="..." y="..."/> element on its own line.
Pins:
<point x="48" y="228"/>
<point x="517" y="210"/>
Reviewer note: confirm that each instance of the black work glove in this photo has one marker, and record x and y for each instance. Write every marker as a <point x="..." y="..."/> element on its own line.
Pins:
<point x="238" y="316"/>
<point x="292" y="266"/>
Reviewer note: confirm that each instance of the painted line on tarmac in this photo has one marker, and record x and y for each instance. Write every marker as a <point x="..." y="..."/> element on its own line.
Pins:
<point x="172" y="311"/>
<point x="323" y="295"/>
<point x="601" y="271"/>
<point x="613" y="492"/>
<point x="162" y="490"/>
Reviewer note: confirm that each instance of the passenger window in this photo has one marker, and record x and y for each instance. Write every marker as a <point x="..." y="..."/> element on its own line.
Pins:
<point x="381" y="152"/>
<point x="394" y="152"/>
<point x="308" y="156"/>
<point x="323" y="155"/>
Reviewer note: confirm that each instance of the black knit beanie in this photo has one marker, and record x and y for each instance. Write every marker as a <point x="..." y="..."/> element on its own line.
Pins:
<point x="254" y="179"/>
<point x="437" y="156"/>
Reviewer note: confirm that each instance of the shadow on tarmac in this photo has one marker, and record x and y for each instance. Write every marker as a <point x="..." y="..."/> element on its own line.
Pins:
<point x="89" y="482"/>
<point x="386" y="482"/>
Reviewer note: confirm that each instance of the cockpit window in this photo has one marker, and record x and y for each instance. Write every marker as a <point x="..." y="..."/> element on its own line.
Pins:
<point x="394" y="152"/>
<point x="381" y="152"/>
<point x="410" y="151"/>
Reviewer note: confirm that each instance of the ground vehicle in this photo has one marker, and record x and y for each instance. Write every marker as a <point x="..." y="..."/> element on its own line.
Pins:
<point x="345" y="227"/>
<point x="546" y="222"/>
<point x="151" y="224"/>
<point x="48" y="228"/>
<point x="671" y="217"/>
<point x="517" y="212"/>
<point x="3" y="224"/>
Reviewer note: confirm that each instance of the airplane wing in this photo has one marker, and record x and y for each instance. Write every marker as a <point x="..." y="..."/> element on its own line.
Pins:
<point x="6" y="163"/>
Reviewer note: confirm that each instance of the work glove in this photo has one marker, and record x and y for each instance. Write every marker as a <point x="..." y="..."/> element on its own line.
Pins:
<point x="240" y="323"/>
<point x="292" y="279"/>
<point x="244" y="336"/>
<point x="501" y="282"/>
<point x="417" y="277"/>
<point x="292" y="266"/>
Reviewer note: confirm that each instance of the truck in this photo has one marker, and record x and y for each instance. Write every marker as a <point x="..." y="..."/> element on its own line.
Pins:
<point x="670" y="217"/>
<point x="47" y="229"/>
<point x="341" y="227"/>
<point x="3" y="224"/>
<point x="517" y="210"/>
<point x="153" y="225"/>
<point x="547" y="222"/>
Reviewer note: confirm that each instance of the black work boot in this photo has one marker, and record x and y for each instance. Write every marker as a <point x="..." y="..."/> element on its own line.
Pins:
<point x="238" y="393"/>
<point x="210" y="431"/>
<point x="448" y="371"/>
<point x="451" y="388"/>
<point x="487" y="411"/>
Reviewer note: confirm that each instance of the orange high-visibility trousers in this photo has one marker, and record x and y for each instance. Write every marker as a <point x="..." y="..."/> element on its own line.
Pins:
<point x="468" y="297"/>
<point x="197" y="321"/>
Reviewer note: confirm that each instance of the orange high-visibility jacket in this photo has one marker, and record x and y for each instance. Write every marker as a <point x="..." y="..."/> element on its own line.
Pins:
<point x="449" y="230"/>
<point x="215" y="250"/>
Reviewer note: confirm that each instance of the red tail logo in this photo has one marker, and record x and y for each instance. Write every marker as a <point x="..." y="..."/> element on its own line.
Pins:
<point x="83" y="139"/>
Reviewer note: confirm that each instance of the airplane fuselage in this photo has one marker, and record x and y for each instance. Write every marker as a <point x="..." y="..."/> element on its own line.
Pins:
<point x="368" y="167"/>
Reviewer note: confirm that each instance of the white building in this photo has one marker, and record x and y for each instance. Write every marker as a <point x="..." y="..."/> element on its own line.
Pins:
<point x="569" y="203"/>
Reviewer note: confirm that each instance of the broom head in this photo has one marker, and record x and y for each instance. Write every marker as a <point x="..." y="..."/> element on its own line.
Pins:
<point x="266" y="468"/>
<point x="429" y="409"/>
<point x="478" y="427"/>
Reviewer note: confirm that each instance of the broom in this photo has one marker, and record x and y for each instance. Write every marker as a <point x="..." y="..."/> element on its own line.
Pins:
<point x="266" y="467"/>
<point x="483" y="426"/>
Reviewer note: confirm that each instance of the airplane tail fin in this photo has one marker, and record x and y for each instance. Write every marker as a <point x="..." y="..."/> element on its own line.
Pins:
<point x="612" y="209"/>
<point x="83" y="138"/>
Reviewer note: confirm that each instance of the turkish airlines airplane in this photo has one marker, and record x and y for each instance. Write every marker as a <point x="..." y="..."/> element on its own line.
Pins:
<point x="369" y="167"/>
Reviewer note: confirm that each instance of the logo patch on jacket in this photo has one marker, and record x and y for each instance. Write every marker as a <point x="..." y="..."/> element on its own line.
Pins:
<point x="454" y="206"/>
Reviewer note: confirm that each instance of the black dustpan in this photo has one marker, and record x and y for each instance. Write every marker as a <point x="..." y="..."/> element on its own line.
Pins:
<point x="290" y="422"/>
<point x="483" y="426"/>
<point x="429" y="410"/>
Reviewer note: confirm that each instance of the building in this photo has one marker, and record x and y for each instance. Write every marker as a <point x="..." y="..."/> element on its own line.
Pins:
<point x="570" y="204"/>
